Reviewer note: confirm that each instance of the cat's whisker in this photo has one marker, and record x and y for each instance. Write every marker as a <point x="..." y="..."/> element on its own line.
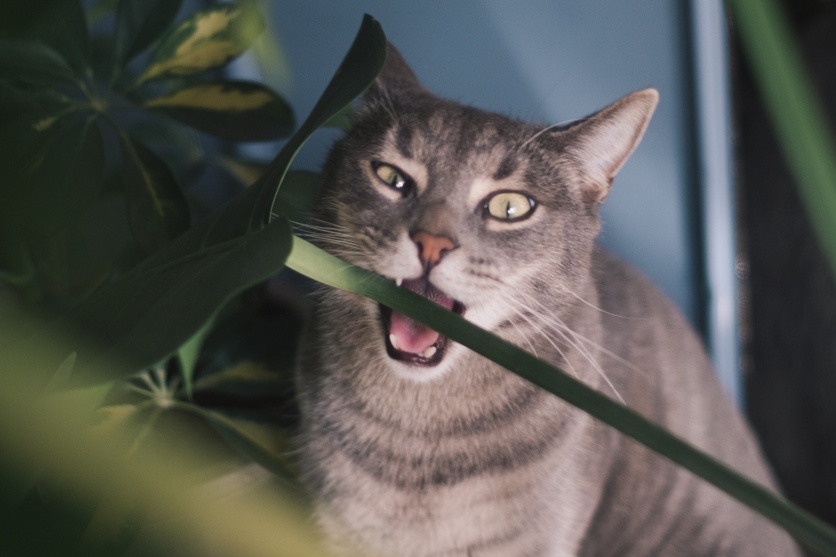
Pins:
<point x="541" y="132"/>
<point x="571" y="337"/>
<point x="523" y="314"/>
<point x="594" y="344"/>
<point x="606" y="351"/>
<point x="596" y="308"/>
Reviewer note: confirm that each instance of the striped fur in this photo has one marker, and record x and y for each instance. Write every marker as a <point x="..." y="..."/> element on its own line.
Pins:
<point x="464" y="458"/>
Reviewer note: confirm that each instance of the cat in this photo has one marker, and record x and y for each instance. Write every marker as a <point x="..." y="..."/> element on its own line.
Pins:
<point x="412" y="445"/>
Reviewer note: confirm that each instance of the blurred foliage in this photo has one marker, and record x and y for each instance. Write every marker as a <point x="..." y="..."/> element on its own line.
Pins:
<point x="99" y="158"/>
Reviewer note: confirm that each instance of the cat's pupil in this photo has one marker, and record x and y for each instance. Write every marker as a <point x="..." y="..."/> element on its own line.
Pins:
<point x="509" y="206"/>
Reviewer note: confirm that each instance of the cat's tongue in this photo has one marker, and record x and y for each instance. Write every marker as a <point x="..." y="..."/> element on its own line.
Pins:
<point x="410" y="336"/>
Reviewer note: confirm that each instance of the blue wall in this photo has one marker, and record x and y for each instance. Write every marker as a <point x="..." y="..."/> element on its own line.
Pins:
<point x="541" y="60"/>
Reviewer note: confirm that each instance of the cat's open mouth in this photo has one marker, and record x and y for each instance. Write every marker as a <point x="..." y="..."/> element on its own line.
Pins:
<point x="413" y="342"/>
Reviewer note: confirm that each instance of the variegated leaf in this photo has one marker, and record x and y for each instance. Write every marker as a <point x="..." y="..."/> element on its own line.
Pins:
<point x="207" y="40"/>
<point x="238" y="110"/>
<point x="157" y="208"/>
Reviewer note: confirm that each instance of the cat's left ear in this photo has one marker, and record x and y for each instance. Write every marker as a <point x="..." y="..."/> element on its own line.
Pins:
<point x="601" y="144"/>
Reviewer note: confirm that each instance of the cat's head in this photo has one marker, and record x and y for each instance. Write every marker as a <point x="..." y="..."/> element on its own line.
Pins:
<point x="488" y="216"/>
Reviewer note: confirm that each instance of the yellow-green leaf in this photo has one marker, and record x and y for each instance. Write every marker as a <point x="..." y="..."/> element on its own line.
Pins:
<point x="246" y="172"/>
<point x="207" y="40"/>
<point x="216" y="96"/>
<point x="237" y="110"/>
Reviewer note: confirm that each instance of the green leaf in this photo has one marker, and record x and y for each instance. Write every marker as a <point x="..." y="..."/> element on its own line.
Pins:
<point x="341" y="121"/>
<point x="68" y="178"/>
<point x="237" y="110"/>
<point x="157" y="209"/>
<point x="299" y="192"/>
<point x="33" y="61"/>
<point x="188" y="354"/>
<point x="24" y="139"/>
<point x="61" y="24"/>
<point x="140" y="22"/>
<point x="356" y="73"/>
<point x="147" y="315"/>
<point x="207" y="40"/>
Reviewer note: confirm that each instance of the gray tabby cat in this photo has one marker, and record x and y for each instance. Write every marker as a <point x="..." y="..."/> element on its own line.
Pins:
<point x="414" y="446"/>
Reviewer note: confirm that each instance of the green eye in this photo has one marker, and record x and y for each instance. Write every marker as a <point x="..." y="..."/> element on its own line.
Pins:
<point x="509" y="206"/>
<point x="392" y="177"/>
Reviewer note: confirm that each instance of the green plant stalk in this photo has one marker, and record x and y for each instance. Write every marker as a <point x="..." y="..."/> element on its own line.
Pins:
<point x="795" y="112"/>
<point x="312" y="262"/>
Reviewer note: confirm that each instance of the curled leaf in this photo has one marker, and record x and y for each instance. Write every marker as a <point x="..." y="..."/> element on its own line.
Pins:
<point x="157" y="209"/>
<point x="207" y="40"/>
<point x="238" y="110"/>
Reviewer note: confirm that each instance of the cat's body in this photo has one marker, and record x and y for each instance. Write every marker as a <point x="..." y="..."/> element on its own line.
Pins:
<point x="413" y="445"/>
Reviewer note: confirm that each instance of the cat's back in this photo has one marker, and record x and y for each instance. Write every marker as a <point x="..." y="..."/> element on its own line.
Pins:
<point x="658" y="365"/>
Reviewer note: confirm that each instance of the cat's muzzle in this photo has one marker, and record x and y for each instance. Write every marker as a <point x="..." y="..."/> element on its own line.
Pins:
<point x="412" y="342"/>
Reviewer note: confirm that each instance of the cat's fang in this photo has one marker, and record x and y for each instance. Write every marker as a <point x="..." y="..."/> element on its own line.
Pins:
<point x="393" y="340"/>
<point x="429" y="352"/>
<point x="398" y="281"/>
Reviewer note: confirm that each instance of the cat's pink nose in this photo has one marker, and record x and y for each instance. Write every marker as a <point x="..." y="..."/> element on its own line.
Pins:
<point x="431" y="248"/>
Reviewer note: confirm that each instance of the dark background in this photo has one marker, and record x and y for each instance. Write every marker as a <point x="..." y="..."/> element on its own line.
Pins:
<point x="789" y="292"/>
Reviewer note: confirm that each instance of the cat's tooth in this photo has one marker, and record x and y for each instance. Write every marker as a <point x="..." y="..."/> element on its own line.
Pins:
<point x="398" y="281"/>
<point x="429" y="352"/>
<point x="393" y="340"/>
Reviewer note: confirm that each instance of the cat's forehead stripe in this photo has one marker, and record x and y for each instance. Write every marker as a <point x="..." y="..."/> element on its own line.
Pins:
<point x="403" y="141"/>
<point x="392" y="154"/>
<point x="507" y="167"/>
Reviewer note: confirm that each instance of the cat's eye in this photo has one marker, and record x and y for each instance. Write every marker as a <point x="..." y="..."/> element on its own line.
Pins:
<point x="509" y="206"/>
<point x="392" y="177"/>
